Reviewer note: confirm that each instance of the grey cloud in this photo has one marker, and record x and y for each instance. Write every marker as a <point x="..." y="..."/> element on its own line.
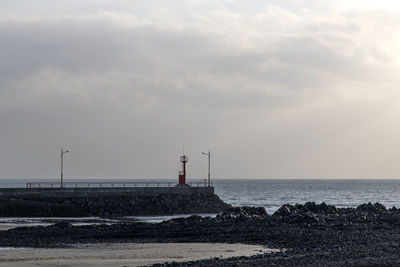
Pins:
<point x="309" y="53"/>
<point x="125" y="97"/>
<point x="88" y="45"/>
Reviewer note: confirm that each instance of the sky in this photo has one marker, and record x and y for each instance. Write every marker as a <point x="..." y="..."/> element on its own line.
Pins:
<point x="274" y="89"/>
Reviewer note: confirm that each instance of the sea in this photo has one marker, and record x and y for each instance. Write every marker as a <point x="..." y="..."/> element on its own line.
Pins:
<point x="268" y="193"/>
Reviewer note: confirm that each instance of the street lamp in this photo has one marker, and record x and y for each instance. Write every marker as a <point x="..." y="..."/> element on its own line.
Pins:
<point x="62" y="165"/>
<point x="209" y="157"/>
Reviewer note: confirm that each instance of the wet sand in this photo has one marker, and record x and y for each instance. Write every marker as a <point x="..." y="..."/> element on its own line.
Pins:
<point x="123" y="254"/>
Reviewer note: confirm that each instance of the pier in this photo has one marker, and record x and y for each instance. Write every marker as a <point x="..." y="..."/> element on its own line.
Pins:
<point x="36" y="190"/>
<point x="109" y="199"/>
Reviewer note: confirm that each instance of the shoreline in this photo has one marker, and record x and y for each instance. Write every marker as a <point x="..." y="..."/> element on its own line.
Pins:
<point x="309" y="234"/>
<point x="7" y="223"/>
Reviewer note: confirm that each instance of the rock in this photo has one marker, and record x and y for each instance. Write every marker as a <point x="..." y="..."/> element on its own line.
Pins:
<point x="308" y="209"/>
<point x="63" y="225"/>
<point x="322" y="208"/>
<point x="392" y="209"/>
<point x="243" y="213"/>
<point x="297" y="217"/>
<point x="285" y="210"/>
<point x="376" y="208"/>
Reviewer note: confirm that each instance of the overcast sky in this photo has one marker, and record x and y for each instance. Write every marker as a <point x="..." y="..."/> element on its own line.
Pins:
<point x="275" y="89"/>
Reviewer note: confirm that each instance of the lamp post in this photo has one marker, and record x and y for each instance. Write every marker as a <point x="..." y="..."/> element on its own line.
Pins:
<point x="209" y="158"/>
<point x="62" y="165"/>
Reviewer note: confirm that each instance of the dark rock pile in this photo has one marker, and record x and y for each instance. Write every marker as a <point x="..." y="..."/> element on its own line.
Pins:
<point x="370" y="208"/>
<point x="242" y="213"/>
<point x="309" y="207"/>
<point x="328" y="214"/>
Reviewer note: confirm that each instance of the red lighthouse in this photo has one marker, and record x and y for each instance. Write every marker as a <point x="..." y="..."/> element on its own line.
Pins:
<point x="182" y="174"/>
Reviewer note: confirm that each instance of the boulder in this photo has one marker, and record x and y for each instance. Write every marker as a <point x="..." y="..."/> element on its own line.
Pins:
<point x="322" y="208"/>
<point x="370" y="208"/>
<point x="285" y="210"/>
<point x="243" y="213"/>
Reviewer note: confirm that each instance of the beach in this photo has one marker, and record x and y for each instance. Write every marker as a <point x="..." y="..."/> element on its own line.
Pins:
<point x="307" y="234"/>
<point x="123" y="254"/>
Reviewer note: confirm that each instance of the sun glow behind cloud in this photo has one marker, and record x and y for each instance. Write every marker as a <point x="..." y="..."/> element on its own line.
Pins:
<point x="386" y="5"/>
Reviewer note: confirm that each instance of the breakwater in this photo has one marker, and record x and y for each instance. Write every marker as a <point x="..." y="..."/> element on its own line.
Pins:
<point x="123" y="201"/>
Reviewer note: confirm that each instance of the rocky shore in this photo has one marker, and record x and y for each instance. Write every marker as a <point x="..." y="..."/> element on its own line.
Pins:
<point x="307" y="235"/>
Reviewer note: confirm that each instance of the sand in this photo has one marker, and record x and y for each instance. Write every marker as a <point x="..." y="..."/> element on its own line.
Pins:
<point x="123" y="254"/>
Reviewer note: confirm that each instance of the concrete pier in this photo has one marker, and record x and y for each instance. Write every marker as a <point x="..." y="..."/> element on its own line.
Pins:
<point x="109" y="201"/>
<point x="32" y="193"/>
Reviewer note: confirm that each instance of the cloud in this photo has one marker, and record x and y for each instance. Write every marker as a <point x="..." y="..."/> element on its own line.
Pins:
<point x="287" y="84"/>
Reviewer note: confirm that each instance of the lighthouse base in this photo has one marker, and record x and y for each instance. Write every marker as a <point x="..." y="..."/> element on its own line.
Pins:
<point x="182" y="179"/>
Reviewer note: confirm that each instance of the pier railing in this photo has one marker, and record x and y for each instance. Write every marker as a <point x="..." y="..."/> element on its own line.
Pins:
<point x="106" y="184"/>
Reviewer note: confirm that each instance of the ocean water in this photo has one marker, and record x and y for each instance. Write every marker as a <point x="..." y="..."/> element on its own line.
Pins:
<point x="273" y="193"/>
